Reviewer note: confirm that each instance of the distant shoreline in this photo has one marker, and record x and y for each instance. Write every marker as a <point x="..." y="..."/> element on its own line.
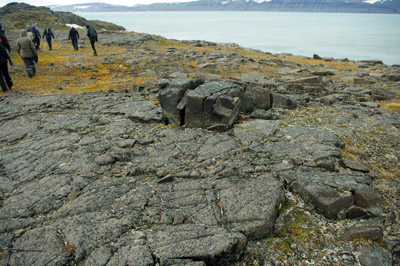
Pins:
<point x="243" y="5"/>
<point x="356" y="37"/>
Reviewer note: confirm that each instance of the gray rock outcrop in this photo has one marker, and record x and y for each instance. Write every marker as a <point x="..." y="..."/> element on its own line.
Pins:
<point x="214" y="104"/>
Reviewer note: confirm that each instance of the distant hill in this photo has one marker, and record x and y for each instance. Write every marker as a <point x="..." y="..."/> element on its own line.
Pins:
<point x="343" y="6"/>
<point x="16" y="16"/>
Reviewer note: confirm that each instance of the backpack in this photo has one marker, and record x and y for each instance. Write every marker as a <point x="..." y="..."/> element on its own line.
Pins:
<point x="92" y="33"/>
<point x="35" y="33"/>
<point x="49" y="32"/>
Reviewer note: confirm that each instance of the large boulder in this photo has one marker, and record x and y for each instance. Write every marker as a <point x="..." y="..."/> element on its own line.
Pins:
<point x="214" y="104"/>
<point x="171" y="94"/>
<point x="187" y="102"/>
<point x="256" y="97"/>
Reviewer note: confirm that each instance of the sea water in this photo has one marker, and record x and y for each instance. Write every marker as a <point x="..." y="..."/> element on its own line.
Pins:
<point x="337" y="35"/>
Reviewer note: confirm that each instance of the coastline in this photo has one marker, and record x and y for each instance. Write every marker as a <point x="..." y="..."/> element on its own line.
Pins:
<point x="329" y="35"/>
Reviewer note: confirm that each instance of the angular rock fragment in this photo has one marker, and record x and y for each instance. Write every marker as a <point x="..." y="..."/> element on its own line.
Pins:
<point x="367" y="232"/>
<point x="355" y="166"/>
<point x="281" y="101"/>
<point x="171" y="94"/>
<point x="256" y="98"/>
<point x="213" y="245"/>
<point x="372" y="256"/>
<point x="327" y="200"/>
<point x="215" y="103"/>
<point x="251" y="206"/>
<point x="366" y="196"/>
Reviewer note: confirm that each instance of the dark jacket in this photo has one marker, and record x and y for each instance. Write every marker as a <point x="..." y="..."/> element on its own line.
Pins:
<point x="91" y="33"/>
<point x="3" y="55"/>
<point x="36" y="31"/>
<point x="48" y="33"/>
<point x="4" y="42"/>
<point x="73" y="34"/>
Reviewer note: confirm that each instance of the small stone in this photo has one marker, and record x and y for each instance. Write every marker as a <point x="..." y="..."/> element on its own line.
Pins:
<point x="367" y="232"/>
<point x="104" y="159"/>
<point x="366" y="196"/>
<point x="353" y="165"/>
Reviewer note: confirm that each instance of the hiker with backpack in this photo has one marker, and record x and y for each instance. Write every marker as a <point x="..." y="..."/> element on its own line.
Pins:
<point x="48" y="33"/>
<point x="74" y="36"/>
<point x="27" y="50"/>
<point x="92" y="35"/>
<point x="5" y="79"/>
<point x="36" y="35"/>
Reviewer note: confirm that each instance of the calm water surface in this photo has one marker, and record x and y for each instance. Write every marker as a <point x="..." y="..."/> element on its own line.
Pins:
<point x="338" y="35"/>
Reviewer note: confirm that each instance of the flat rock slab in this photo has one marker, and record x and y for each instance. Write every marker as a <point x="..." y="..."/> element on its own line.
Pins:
<point x="208" y="244"/>
<point x="104" y="183"/>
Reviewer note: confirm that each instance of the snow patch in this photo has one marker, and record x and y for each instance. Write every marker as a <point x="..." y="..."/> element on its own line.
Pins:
<point x="74" y="26"/>
<point x="261" y="1"/>
<point x="371" y="1"/>
<point x="81" y="7"/>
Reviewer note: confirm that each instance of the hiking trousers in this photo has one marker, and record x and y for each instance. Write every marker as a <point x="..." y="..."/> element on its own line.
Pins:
<point x="5" y="79"/>
<point x="94" y="48"/>
<point x="30" y="67"/>
<point x="49" y="42"/>
<point x="75" y="44"/>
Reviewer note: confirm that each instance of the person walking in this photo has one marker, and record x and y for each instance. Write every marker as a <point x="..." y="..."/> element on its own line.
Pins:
<point x="5" y="79"/>
<point x="27" y="51"/>
<point x="36" y="35"/>
<point x="4" y="42"/>
<point x="74" y="36"/>
<point x="92" y="35"/>
<point x="48" y="34"/>
<point x="29" y="32"/>
<point x="2" y="30"/>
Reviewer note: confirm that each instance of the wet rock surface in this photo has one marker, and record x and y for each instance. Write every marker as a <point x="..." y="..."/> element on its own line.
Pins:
<point x="99" y="179"/>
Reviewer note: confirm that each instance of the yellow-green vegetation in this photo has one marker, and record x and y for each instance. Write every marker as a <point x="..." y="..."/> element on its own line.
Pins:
<point x="74" y="71"/>
<point x="392" y="105"/>
<point x="79" y="71"/>
<point x="297" y="234"/>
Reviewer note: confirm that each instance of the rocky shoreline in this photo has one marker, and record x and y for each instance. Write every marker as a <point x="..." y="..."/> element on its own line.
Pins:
<point x="307" y="175"/>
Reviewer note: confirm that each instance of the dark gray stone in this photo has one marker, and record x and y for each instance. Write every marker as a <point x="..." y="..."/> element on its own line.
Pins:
<point x="394" y="77"/>
<point x="251" y="206"/>
<point x="362" y="81"/>
<point x="367" y="232"/>
<point x="327" y="200"/>
<point x="355" y="165"/>
<point x="381" y="94"/>
<point x="171" y="94"/>
<point x="213" y="245"/>
<point x="255" y="98"/>
<point x="281" y="101"/>
<point x="215" y="103"/>
<point x="366" y="196"/>
<point x="373" y="256"/>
